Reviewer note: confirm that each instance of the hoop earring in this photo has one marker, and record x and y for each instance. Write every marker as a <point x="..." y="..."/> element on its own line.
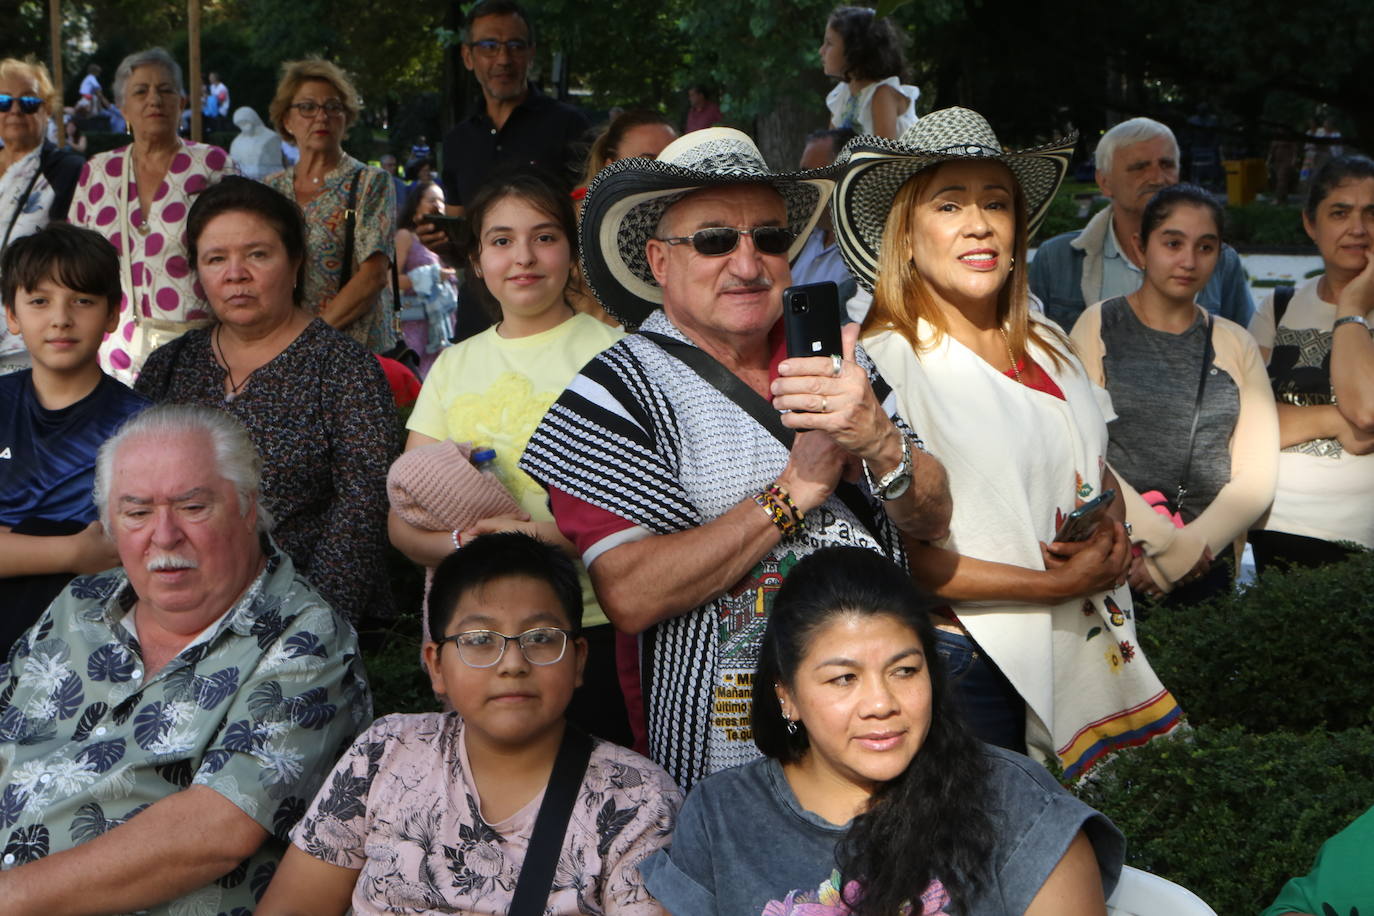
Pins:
<point x="1013" y="264"/>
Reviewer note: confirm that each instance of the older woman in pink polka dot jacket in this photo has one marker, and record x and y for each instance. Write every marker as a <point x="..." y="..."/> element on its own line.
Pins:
<point x="137" y="196"/>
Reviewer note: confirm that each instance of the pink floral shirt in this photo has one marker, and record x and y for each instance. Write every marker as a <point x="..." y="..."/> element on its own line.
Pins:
<point x="400" y="807"/>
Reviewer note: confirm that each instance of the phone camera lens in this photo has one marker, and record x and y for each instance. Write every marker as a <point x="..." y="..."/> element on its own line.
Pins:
<point x="800" y="305"/>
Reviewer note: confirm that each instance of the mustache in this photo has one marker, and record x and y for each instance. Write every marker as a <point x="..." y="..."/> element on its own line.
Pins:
<point x="162" y="561"/>
<point x="762" y="281"/>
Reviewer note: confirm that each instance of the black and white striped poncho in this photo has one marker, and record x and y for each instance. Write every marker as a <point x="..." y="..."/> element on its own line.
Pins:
<point x="641" y="435"/>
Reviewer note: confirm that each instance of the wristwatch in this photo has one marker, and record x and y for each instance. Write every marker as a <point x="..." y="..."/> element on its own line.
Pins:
<point x="1351" y="319"/>
<point x="896" y="481"/>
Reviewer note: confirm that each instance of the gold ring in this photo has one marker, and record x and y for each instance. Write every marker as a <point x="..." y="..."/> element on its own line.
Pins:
<point x="825" y="404"/>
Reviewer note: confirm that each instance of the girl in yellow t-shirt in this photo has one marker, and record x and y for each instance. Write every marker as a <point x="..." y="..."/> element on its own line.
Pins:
<point x="493" y="389"/>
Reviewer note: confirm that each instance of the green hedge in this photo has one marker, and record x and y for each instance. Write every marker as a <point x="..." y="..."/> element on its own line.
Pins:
<point x="1232" y="816"/>
<point x="1291" y="652"/>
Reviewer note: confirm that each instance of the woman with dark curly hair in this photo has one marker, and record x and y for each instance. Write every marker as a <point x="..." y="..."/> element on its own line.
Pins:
<point x="866" y="53"/>
<point x="872" y="797"/>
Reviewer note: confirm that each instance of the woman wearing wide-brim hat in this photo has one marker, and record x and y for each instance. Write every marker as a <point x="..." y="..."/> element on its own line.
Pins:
<point x="1039" y="634"/>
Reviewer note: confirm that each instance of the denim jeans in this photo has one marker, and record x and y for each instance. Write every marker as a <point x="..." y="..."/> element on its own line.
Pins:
<point x="990" y="705"/>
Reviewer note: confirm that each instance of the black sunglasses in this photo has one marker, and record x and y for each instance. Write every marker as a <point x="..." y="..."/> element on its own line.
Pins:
<point x="719" y="240"/>
<point x="28" y="104"/>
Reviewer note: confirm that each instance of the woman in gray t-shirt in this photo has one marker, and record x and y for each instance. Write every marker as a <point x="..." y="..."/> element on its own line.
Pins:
<point x="872" y="796"/>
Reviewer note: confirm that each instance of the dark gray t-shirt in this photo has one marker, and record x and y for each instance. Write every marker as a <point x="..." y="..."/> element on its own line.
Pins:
<point x="1152" y="377"/>
<point x="743" y="841"/>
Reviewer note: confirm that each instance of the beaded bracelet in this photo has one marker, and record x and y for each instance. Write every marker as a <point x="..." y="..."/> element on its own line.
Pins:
<point x="778" y="493"/>
<point x="457" y="544"/>
<point x="777" y="513"/>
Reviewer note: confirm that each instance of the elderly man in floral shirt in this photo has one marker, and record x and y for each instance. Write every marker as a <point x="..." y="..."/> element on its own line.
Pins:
<point x="163" y="726"/>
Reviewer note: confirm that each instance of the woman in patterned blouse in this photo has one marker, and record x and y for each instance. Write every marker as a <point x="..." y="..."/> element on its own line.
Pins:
<point x="315" y="403"/>
<point x="314" y="106"/>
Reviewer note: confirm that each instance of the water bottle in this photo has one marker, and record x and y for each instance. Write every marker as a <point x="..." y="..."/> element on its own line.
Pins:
<point x="484" y="459"/>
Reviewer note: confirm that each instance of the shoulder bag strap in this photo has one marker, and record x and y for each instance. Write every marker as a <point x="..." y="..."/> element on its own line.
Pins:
<point x="1283" y="295"/>
<point x="532" y="888"/>
<point x="19" y="204"/>
<point x="1197" y="411"/>
<point x="350" y="221"/>
<point x="748" y="400"/>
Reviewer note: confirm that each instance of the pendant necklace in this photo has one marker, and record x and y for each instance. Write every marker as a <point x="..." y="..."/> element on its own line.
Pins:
<point x="229" y="373"/>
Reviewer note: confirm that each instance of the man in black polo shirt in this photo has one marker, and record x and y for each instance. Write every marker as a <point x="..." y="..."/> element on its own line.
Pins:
<point x="517" y="123"/>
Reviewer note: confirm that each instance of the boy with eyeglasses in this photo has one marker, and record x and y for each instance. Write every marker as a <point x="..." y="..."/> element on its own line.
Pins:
<point x="437" y="811"/>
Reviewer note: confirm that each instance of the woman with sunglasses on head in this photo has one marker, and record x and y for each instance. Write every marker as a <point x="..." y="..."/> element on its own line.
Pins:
<point x="36" y="178"/>
<point x="1038" y="629"/>
<point x="1195" y="430"/>
<point x="492" y="389"/>
<point x="872" y="799"/>
<point x="350" y="288"/>
<point x="138" y="197"/>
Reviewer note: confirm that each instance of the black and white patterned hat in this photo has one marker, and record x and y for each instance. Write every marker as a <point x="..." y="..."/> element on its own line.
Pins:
<point x="627" y="198"/>
<point x="873" y="169"/>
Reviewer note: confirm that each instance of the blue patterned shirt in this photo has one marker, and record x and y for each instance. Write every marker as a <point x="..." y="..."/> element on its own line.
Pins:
<point x="257" y="709"/>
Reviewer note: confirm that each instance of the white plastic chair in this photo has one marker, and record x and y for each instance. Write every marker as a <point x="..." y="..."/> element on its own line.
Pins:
<point x="1140" y="893"/>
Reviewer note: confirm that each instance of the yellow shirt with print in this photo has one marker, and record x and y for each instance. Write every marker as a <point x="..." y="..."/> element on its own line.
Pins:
<point x="493" y="391"/>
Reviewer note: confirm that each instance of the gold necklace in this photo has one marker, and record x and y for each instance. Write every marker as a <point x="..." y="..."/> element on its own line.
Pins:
<point x="1016" y="370"/>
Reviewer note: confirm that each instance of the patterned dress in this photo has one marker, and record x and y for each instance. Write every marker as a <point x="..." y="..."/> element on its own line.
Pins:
<point x="401" y="809"/>
<point x="159" y="283"/>
<point x="374" y="230"/>
<point x="255" y="709"/>
<point x="323" y="419"/>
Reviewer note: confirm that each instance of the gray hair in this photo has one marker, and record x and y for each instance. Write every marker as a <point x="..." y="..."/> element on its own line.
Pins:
<point x="152" y="56"/>
<point x="1136" y="130"/>
<point x="236" y="458"/>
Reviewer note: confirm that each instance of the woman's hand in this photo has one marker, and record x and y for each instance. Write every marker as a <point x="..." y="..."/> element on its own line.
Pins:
<point x="840" y="404"/>
<point x="1083" y="568"/>
<point x="1358" y="296"/>
<point x="500" y="523"/>
<point x="1140" y="580"/>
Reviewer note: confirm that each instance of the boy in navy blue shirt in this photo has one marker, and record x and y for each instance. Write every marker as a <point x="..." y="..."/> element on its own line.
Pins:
<point x="61" y="294"/>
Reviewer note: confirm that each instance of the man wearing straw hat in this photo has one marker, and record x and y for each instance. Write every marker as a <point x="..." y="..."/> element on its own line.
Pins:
<point x="669" y="464"/>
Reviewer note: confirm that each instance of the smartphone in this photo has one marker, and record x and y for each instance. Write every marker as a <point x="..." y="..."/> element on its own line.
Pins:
<point x="453" y="226"/>
<point x="1082" y="522"/>
<point x="811" y="319"/>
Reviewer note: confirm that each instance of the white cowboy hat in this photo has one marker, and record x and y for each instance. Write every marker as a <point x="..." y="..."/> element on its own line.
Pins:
<point x="627" y="198"/>
<point x="873" y="169"/>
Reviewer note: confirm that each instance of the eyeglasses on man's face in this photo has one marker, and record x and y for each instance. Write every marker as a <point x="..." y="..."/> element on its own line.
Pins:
<point x="28" y="104"/>
<point x="309" y="108"/>
<point x="721" y="240"/>
<point x="490" y="47"/>
<point x="486" y="648"/>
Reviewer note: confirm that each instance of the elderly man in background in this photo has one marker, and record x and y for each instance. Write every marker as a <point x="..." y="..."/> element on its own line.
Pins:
<point x="164" y="725"/>
<point x="670" y="467"/>
<point x="1071" y="271"/>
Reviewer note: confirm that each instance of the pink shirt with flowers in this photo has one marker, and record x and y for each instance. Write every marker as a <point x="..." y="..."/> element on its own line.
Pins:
<point x="154" y="262"/>
<point x="401" y="807"/>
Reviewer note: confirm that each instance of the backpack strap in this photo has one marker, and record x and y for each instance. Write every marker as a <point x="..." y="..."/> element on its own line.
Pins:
<point x="532" y="888"/>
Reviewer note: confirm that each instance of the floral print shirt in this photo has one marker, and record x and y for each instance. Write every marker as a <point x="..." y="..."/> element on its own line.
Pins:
<point x="402" y="809"/>
<point x="374" y="230"/>
<point x="157" y="278"/>
<point x="257" y="709"/>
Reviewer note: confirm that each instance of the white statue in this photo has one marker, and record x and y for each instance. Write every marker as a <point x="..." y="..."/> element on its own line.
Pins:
<point x="257" y="148"/>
